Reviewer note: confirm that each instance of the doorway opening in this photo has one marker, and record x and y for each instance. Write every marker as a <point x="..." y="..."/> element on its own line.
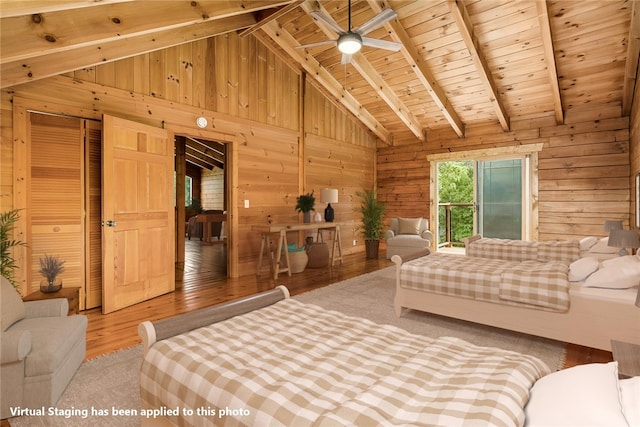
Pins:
<point x="201" y="167"/>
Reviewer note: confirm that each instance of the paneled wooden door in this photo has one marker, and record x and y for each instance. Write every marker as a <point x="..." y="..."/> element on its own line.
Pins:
<point x="138" y="234"/>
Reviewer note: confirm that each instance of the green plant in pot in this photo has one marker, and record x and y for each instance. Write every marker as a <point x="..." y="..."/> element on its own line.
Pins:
<point x="305" y="204"/>
<point x="7" y="243"/>
<point x="372" y="211"/>
<point x="50" y="267"/>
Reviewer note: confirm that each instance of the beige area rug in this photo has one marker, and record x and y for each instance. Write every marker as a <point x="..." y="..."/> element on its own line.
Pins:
<point x="111" y="382"/>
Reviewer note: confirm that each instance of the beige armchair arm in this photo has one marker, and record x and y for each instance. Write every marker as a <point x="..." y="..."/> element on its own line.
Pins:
<point x="389" y="234"/>
<point x="57" y="307"/>
<point x="15" y="346"/>
<point x="427" y="235"/>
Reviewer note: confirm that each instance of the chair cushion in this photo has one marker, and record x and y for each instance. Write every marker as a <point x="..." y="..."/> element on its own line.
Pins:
<point x="408" y="240"/>
<point x="409" y="225"/>
<point x="52" y="338"/>
<point x="12" y="309"/>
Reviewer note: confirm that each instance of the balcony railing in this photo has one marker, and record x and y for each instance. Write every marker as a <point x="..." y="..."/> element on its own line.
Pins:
<point x="448" y="239"/>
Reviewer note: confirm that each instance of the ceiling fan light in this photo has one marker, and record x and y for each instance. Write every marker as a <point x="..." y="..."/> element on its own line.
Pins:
<point x="349" y="43"/>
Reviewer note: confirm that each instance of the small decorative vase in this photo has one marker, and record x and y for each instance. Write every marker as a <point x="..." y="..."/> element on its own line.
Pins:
<point x="306" y="217"/>
<point x="317" y="217"/>
<point x="48" y="287"/>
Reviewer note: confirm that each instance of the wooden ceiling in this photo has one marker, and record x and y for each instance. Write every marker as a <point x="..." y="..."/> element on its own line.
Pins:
<point x="463" y="62"/>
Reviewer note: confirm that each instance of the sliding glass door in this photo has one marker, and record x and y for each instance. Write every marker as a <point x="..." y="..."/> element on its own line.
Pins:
<point x="488" y="197"/>
<point x="499" y="194"/>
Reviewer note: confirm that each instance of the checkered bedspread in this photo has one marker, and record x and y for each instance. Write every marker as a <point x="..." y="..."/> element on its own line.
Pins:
<point x="295" y="364"/>
<point x="534" y="284"/>
<point x="524" y="250"/>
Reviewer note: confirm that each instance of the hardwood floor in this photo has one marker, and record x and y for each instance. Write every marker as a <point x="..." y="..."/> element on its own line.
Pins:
<point x="203" y="283"/>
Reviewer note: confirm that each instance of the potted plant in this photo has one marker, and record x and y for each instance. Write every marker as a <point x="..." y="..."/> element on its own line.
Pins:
<point x="7" y="262"/>
<point x="50" y="268"/>
<point x="305" y="204"/>
<point x="372" y="211"/>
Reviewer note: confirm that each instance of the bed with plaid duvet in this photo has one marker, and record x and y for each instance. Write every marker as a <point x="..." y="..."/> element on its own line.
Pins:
<point x="535" y="284"/>
<point x="295" y="364"/>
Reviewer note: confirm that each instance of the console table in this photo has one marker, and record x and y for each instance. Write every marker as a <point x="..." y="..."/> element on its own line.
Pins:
<point x="282" y="229"/>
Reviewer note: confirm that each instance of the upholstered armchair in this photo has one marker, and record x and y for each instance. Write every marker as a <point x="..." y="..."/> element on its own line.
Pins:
<point x="409" y="238"/>
<point x="42" y="348"/>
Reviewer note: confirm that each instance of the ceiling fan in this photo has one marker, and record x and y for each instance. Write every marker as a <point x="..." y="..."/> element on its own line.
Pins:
<point x="350" y="41"/>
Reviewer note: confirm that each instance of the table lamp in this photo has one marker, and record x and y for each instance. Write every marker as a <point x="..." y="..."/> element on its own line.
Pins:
<point x="624" y="239"/>
<point x="612" y="225"/>
<point x="328" y="196"/>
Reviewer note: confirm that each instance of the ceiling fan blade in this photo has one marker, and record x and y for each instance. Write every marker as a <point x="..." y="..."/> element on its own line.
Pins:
<point x="328" y="20"/>
<point x="382" y="44"/>
<point x="316" y="44"/>
<point x="376" y="22"/>
<point x="346" y="58"/>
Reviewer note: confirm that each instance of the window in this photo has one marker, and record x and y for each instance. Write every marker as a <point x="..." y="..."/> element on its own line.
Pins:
<point x="188" y="190"/>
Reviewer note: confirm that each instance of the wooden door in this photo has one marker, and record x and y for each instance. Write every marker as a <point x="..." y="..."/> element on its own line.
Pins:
<point x="138" y="234"/>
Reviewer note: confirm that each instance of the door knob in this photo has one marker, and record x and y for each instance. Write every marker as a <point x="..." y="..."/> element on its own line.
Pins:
<point x="110" y="223"/>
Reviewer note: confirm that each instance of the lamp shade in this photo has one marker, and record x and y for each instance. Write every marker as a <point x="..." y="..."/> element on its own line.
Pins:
<point x="329" y="195"/>
<point x="612" y="225"/>
<point x="624" y="239"/>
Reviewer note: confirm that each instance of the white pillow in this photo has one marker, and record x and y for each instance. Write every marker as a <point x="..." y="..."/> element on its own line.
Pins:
<point x="626" y="260"/>
<point x="602" y="247"/>
<point x="582" y="268"/>
<point x="587" y="243"/>
<point x="585" y="395"/>
<point x="630" y="391"/>
<point x="616" y="273"/>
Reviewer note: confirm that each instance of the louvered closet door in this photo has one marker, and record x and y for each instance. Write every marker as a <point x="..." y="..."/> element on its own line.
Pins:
<point x="55" y="205"/>
<point x="93" y="202"/>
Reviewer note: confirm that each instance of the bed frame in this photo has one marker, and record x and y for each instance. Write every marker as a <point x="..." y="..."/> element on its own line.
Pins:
<point x="592" y="320"/>
<point x="151" y="332"/>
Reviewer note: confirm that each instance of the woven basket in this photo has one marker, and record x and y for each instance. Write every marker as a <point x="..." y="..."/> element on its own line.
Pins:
<point x="298" y="261"/>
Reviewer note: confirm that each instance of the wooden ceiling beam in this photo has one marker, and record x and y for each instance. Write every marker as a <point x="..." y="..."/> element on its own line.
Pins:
<point x="206" y="149"/>
<point x="204" y="159"/>
<point x="199" y="163"/>
<point x="282" y="11"/>
<point x="371" y="75"/>
<point x="10" y="9"/>
<point x="465" y="27"/>
<point x="314" y="69"/>
<point x="17" y="72"/>
<point x="25" y="37"/>
<point x="422" y="71"/>
<point x="633" y="55"/>
<point x="550" y="58"/>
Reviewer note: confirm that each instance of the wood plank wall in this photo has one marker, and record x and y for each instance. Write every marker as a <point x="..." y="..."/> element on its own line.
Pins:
<point x="212" y="189"/>
<point x="252" y="99"/>
<point x="583" y="171"/>
<point x="634" y="152"/>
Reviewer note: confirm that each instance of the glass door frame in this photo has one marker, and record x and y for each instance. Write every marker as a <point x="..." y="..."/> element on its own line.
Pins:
<point x="530" y="182"/>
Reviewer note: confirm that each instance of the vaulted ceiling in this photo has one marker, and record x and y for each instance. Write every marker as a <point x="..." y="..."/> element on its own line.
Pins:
<point x="462" y="62"/>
